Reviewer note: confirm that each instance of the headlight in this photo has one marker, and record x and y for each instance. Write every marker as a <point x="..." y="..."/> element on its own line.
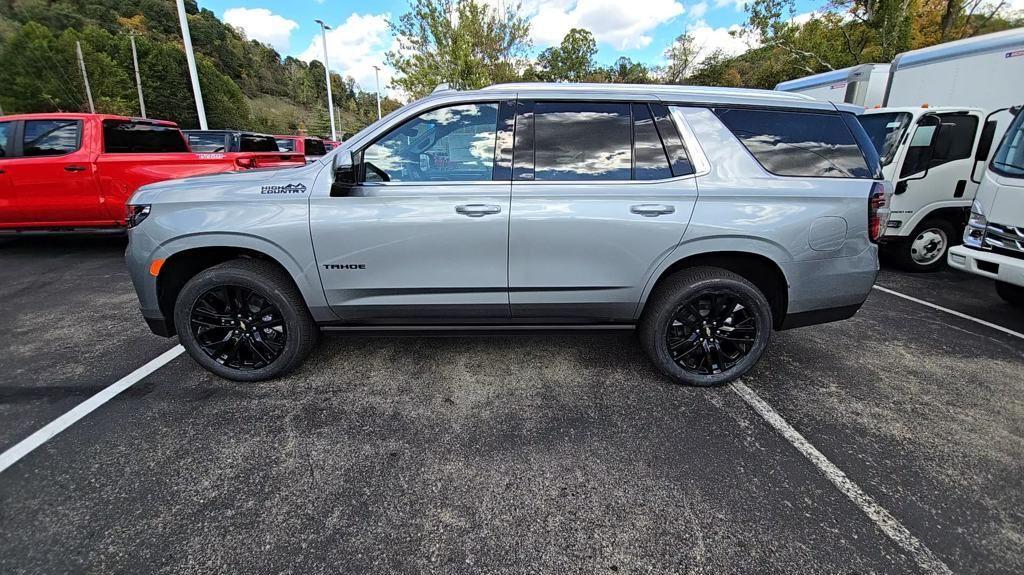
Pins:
<point x="136" y="213"/>
<point x="974" y="233"/>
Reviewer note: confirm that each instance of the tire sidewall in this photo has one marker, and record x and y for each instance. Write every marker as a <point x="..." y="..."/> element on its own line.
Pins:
<point x="749" y="296"/>
<point x="214" y="277"/>
<point x="907" y="257"/>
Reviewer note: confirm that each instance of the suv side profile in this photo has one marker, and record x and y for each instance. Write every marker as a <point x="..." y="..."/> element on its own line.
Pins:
<point x="705" y="218"/>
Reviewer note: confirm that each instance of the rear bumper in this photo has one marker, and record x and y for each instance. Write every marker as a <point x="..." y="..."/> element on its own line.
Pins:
<point x="987" y="264"/>
<point x="815" y="317"/>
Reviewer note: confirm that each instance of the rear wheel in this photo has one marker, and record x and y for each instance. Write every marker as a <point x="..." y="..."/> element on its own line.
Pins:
<point x="925" y="249"/>
<point x="705" y="326"/>
<point x="1011" y="294"/>
<point x="244" y="320"/>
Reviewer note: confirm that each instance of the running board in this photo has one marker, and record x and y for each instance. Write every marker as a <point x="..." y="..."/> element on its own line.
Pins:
<point x="473" y="329"/>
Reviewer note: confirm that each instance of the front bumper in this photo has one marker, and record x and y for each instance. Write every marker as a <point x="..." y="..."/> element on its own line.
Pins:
<point x="985" y="263"/>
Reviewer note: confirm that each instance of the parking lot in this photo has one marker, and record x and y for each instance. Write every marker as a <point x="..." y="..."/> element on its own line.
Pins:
<point x="525" y="453"/>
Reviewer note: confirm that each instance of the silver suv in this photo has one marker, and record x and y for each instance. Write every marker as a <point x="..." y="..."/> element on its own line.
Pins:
<point x="703" y="217"/>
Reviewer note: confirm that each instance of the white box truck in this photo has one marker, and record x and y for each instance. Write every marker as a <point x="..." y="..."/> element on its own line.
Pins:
<point x="942" y="108"/>
<point x="862" y="85"/>
<point x="993" y="243"/>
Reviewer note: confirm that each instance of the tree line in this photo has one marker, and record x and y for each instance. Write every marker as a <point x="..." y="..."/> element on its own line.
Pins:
<point x="464" y="43"/>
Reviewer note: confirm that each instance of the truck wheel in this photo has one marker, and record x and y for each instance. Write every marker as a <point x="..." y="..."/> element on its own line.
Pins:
<point x="705" y="326"/>
<point x="244" y="320"/>
<point x="1011" y="294"/>
<point x="925" y="249"/>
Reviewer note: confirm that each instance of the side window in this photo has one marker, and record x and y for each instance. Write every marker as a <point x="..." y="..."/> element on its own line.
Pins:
<point x="314" y="147"/>
<point x="798" y="143"/>
<point x="132" y="138"/>
<point x="681" y="165"/>
<point x="5" y="133"/>
<point x="650" y="160"/>
<point x="50" y="137"/>
<point x="582" y="141"/>
<point x="453" y="144"/>
<point x="255" y="143"/>
<point x="956" y="137"/>
<point x="207" y="142"/>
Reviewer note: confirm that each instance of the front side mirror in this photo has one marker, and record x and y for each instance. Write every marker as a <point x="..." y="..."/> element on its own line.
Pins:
<point x="344" y="174"/>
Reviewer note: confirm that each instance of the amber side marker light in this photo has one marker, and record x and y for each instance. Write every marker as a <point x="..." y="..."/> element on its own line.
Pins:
<point x="154" y="268"/>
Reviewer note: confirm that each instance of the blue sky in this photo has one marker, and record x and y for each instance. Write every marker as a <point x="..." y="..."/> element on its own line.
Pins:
<point x="639" y="29"/>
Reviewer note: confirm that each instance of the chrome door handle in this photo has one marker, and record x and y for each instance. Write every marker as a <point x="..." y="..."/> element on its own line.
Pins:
<point x="477" y="210"/>
<point x="652" y="210"/>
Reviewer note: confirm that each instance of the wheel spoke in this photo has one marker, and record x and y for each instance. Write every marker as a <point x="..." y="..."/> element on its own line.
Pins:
<point x="242" y="344"/>
<point x="712" y="332"/>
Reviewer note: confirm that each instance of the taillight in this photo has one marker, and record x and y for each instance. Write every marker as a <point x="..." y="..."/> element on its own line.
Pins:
<point x="135" y="214"/>
<point x="878" y="211"/>
<point x="245" y="163"/>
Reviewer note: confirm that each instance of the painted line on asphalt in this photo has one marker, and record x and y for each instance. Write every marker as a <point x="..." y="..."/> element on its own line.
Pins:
<point x="27" y="445"/>
<point x="881" y="517"/>
<point x="950" y="311"/>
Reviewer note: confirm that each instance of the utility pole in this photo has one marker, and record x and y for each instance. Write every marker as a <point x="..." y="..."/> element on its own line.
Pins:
<point x="376" y="73"/>
<point x="327" y="71"/>
<point x="138" y="79"/>
<point x="85" y="76"/>
<point x="191" y="57"/>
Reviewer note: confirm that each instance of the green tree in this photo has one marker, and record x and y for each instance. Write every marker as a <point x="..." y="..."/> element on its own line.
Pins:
<point x="683" y="56"/>
<point x="570" y="61"/>
<point x="464" y="43"/>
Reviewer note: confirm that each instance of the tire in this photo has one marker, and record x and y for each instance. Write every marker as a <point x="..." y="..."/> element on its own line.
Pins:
<point x="1011" y="294"/>
<point x="274" y="321"/>
<point x="925" y="249"/>
<point x="668" y="316"/>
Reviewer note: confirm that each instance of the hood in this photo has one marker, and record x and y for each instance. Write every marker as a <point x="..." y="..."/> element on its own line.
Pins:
<point x="1002" y="198"/>
<point x="224" y="186"/>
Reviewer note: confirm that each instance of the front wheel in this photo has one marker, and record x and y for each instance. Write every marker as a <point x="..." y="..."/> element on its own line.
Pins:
<point x="925" y="249"/>
<point x="1011" y="294"/>
<point x="705" y="326"/>
<point x="244" y="320"/>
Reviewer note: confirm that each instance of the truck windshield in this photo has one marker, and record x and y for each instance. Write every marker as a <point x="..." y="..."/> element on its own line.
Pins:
<point x="885" y="131"/>
<point x="1009" y="158"/>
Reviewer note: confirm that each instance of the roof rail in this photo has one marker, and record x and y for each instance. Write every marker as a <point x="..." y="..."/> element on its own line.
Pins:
<point x="442" y="87"/>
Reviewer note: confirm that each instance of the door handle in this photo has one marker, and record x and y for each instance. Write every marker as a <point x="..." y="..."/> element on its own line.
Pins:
<point x="652" y="210"/>
<point x="477" y="210"/>
<point x="74" y="169"/>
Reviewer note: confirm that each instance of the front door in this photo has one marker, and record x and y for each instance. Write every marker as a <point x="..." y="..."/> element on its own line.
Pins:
<point x="602" y="193"/>
<point x="423" y="235"/>
<point x="9" y="212"/>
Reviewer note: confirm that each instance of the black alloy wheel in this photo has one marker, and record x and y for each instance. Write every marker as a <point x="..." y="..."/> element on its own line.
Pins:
<point x="238" y="327"/>
<point x="711" y="332"/>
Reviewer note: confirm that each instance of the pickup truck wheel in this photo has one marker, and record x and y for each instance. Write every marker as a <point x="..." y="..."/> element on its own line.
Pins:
<point x="705" y="326"/>
<point x="1011" y="294"/>
<point x="244" y="320"/>
<point x="925" y="249"/>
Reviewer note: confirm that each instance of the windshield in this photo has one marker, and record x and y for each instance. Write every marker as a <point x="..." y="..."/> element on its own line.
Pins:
<point x="1009" y="158"/>
<point x="885" y="131"/>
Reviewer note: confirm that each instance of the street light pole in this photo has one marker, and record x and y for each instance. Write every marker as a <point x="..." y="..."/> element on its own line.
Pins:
<point x="191" y="58"/>
<point x="327" y="72"/>
<point x="85" y="76"/>
<point x="138" y="79"/>
<point x="376" y="73"/>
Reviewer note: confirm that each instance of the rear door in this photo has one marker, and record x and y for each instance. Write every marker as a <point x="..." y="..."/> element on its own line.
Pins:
<point x="601" y="193"/>
<point x="9" y="211"/>
<point x="53" y="178"/>
<point x="423" y="235"/>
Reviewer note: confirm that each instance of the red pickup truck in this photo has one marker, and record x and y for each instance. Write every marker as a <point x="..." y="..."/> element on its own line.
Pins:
<point x="63" y="171"/>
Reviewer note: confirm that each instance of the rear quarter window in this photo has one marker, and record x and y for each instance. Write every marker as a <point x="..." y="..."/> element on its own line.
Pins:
<point x="802" y="144"/>
<point x="315" y="147"/>
<point x="251" y="143"/>
<point x="121" y="137"/>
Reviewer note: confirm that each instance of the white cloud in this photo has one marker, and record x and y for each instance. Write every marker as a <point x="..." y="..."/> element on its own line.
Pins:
<point x="737" y="5"/>
<point x="354" y="47"/>
<point x="698" y="10"/>
<point x="263" y="25"/>
<point x="620" y="24"/>
<point x="708" y="40"/>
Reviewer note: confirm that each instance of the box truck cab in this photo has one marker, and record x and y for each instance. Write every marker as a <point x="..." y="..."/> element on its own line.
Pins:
<point x="933" y="156"/>
<point x="993" y="243"/>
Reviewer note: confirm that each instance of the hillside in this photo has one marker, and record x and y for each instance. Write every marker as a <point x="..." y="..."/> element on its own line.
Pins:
<point x="246" y="84"/>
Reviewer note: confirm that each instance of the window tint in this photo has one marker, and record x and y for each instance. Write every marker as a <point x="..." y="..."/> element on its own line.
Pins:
<point x="798" y="143"/>
<point x="315" y="147"/>
<point x="5" y="132"/>
<point x="453" y="144"/>
<point x="650" y="161"/>
<point x="286" y="145"/>
<point x="582" y="141"/>
<point x="131" y="138"/>
<point x="255" y="143"/>
<point x="681" y="165"/>
<point x="207" y="142"/>
<point x="50" y="137"/>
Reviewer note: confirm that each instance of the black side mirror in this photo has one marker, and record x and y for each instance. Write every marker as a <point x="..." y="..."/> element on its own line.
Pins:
<point x="344" y="175"/>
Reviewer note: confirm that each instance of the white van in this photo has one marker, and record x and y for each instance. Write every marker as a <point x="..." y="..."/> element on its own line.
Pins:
<point x="994" y="239"/>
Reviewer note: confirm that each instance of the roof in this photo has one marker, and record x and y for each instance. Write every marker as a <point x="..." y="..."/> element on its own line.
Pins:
<point x="825" y="78"/>
<point x="995" y="42"/>
<point x="84" y="116"/>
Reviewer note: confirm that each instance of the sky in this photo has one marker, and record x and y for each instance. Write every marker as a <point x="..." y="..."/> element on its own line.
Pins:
<point x="360" y="36"/>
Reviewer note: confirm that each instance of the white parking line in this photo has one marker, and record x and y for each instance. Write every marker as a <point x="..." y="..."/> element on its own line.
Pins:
<point x="885" y="521"/>
<point x="25" y="446"/>
<point x="950" y="311"/>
